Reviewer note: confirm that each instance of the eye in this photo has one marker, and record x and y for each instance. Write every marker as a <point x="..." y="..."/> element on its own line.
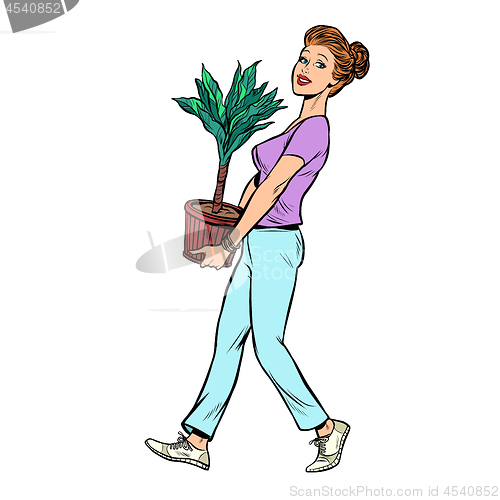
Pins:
<point x="320" y="65"/>
<point x="302" y="59"/>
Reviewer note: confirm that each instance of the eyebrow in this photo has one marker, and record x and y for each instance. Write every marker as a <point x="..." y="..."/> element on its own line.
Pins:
<point x="305" y="50"/>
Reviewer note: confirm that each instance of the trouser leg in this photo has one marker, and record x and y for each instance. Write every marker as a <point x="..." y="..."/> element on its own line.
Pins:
<point x="232" y="331"/>
<point x="275" y="256"/>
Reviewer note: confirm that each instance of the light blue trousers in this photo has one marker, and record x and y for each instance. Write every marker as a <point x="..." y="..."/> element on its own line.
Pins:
<point x="258" y="298"/>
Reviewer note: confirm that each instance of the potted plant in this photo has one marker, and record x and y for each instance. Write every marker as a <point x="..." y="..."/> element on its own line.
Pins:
<point x="232" y="122"/>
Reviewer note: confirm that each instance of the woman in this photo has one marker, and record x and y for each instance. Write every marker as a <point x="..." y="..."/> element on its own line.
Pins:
<point x="259" y="294"/>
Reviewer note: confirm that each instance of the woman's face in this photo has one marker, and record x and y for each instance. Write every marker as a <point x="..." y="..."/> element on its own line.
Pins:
<point x="313" y="72"/>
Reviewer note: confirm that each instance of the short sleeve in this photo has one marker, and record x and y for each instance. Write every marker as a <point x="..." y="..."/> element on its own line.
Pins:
<point x="310" y="140"/>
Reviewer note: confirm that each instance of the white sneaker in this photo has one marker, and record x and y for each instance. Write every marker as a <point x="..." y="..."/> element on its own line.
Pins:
<point x="182" y="451"/>
<point x="330" y="448"/>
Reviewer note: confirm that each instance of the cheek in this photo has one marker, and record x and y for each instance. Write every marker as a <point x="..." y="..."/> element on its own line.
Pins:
<point x="323" y="77"/>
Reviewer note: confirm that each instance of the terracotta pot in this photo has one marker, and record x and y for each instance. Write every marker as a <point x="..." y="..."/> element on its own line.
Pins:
<point x="205" y="229"/>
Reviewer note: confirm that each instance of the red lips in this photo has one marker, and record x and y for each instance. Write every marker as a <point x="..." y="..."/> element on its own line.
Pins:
<point x="303" y="80"/>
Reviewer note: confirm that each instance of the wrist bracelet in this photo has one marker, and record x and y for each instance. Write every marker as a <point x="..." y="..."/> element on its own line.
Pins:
<point x="228" y="244"/>
<point x="224" y="244"/>
<point x="232" y="242"/>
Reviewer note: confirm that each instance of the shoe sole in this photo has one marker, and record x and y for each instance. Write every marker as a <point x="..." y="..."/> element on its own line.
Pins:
<point x="189" y="461"/>
<point x="341" y="446"/>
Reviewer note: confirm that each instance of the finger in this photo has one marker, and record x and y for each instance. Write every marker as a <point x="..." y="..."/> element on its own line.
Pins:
<point x="199" y="250"/>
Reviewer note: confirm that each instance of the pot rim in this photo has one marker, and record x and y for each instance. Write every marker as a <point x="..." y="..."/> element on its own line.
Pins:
<point x="210" y="218"/>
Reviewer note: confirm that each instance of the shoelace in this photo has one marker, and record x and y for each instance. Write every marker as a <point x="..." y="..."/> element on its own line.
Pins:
<point x="182" y="442"/>
<point x="321" y="443"/>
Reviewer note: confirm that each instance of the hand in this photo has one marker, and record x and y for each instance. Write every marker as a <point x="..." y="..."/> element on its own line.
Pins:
<point x="215" y="256"/>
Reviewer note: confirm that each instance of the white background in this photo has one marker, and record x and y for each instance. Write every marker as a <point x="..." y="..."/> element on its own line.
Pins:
<point x="395" y="317"/>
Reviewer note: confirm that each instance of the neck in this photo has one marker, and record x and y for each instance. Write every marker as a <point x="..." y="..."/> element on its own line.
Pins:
<point x="314" y="105"/>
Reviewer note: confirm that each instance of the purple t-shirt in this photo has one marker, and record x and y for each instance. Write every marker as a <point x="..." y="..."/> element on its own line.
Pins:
<point x="309" y="140"/>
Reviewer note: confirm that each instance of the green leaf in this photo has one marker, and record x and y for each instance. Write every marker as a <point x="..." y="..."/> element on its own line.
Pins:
<point x="243" y="92"/>
<point x="214" y="93"/>
<point x="240" y="139"/>
<point x="248" y="79"/>
<point x="233" y="91"/>
<point x="234" y="120"/>
<point x="190" y="105"/>
<point x="258" y="111"/>
<point x="210" y="106"/>
<point x="255" y="95"/>
<point x="196" y="103"/>
<point x="250" y="118"/>
<point x="203" y="94"/>
<point x="215" y="128"/>
<point x="266" y="99"/>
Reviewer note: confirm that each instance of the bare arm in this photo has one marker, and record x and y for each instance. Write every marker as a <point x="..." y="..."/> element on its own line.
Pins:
<point x="256" y="203"/>
<point x="266" y="195"/>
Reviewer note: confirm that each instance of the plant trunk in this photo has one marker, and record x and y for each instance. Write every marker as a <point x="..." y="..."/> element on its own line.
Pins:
<point x="219" y="190"/>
